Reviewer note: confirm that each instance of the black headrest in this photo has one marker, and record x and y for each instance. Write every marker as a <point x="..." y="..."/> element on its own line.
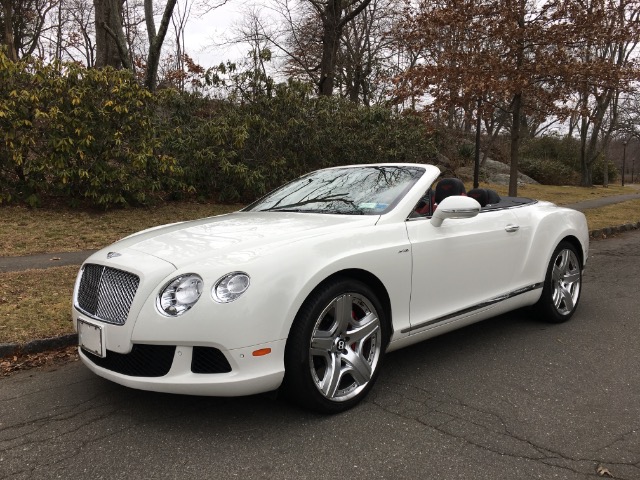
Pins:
<point x="492" y="196"/>
<point x="484" y="196"/>
<point x="480" y="195"/>
<point x="447" y="187"/>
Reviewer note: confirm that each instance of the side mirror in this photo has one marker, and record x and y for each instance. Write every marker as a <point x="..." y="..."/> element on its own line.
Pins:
<point x="455" y="206"/>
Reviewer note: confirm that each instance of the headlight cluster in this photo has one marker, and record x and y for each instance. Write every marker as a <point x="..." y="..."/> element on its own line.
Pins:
<point x="182" y="293"/>
<point x="230" y="287"/>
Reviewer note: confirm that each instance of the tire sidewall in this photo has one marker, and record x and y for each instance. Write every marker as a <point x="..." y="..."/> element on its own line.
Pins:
<point x="298" y="383"/>
<point x="545" y="306"/>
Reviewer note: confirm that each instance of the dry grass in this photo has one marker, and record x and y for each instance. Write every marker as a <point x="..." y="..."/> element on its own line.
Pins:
<point x="25" y="231"/>
<point x="563" y="195"/>
<point x="36" y="303"/>
<point x="613" y="215"/>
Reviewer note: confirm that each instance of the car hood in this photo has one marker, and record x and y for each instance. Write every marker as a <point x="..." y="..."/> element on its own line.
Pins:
<point x="235" y="237"/>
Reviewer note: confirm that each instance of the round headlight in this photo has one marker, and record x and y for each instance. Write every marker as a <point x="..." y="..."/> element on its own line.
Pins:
<point x="180" y="294"/>
<point x="230" y="287"/>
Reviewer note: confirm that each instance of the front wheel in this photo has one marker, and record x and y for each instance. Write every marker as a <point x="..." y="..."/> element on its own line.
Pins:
<point x="335" y="347"/>
<point x="562" y="285"/>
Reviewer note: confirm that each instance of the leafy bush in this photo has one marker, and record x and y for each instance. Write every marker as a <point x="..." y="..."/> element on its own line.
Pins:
<point x="97" y="137"/>
<point x="598" y="172"/>
<point x="552" y="148"/>
<point x="237" y="151"/>
<point x="551" y="160"/>
<point x="85" y="135"/>
<point x="549" y="172"/>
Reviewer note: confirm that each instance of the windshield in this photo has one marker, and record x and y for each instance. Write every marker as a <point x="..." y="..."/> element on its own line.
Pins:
<point x="366" y="190"/>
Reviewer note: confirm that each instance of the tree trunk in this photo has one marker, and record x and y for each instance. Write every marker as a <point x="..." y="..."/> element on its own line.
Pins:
<point x="333" y="23"/>
<point x="332" y="31"/>
<point x="605" y="172"/>
<point x="7" y="34"/>
<point x="515" y="144"/>
<point x="108" y="15"/>
<point x="155" y="40"/>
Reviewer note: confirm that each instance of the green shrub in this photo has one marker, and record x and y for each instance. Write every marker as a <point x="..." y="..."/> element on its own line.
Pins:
<point x="558" y="149"/>
<point x="237" y="151"/>
<point x="85" y="135"/>
<point x="598" y="172"/>
<point x="549" y="172"/>
<point x="97" y="137"/>
<point x="551" y="160"/>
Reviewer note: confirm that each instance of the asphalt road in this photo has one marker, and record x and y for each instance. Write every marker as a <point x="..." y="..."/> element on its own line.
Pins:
<point x="509" y="398"/>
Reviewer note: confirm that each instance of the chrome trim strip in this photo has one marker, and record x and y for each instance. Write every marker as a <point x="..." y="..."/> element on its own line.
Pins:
<point x="464" y="211"/>
<point x="479" y="306"/>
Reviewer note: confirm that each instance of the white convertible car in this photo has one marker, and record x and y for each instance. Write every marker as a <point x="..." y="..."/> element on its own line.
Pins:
<point x="308" y="288"/>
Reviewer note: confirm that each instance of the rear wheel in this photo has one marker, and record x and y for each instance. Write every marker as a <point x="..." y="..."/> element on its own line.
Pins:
<point x="335" y="348"/>
<point x="562" y="285"/>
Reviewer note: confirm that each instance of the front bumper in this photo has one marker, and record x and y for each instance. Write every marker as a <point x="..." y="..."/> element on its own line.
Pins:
<point x="249" y="374"/>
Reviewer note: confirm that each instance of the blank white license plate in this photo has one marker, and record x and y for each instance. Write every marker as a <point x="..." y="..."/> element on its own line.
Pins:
<point x="91" y="338"/>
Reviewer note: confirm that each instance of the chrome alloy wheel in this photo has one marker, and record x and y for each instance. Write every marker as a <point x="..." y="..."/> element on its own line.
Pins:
<point x="345" y="347"/>
<point x="565" y="281"/>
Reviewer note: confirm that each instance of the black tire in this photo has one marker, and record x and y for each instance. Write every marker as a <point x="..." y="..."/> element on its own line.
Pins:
<point x="562" y="285"/>
<point x="335" y="347"/>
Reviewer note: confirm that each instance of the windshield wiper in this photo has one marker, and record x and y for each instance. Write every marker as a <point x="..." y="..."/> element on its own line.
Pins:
<point x="295" y="210"/>
<point x="341" y="212"/>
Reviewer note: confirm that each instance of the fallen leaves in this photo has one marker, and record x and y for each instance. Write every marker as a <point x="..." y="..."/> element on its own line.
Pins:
<point x="15" y="363"/>
<point x="603" y="472"/>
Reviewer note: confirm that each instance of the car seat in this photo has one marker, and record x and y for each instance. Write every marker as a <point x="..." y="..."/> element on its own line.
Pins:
<point x="448" y="187"/>
<point x="484" y="196"/>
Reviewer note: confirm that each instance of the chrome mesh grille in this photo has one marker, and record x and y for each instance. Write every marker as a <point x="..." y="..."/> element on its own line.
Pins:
<point x="106" y="293"/>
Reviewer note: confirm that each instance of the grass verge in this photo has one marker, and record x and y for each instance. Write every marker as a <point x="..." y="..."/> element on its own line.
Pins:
<point x="36" y="304"/>
<point x="564" y="195"/>
<point x="613" y="215"/>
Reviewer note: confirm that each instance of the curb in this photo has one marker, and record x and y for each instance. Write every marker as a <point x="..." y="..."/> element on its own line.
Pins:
<point x="38" y="346"/>
<point x="63" y="341"/>
<point x="606" y="232"/>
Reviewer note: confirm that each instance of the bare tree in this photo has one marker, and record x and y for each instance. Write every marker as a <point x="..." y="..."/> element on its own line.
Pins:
<point x="156" y="39"/>
<point x="23" y="23"/>
<point x="524" y="57"/>
<point x="310" y="35"/>
<point x="7" y="29"/>
<point x="608" y="69"/>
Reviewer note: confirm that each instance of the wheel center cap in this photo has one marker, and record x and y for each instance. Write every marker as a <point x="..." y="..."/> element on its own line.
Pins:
<point x="340" y="344"/>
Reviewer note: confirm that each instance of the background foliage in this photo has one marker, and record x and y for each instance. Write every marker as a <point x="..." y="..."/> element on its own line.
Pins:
<point x="97" y="137"/>
<point x="81" y="134"/>
<point x="554" y="160"/>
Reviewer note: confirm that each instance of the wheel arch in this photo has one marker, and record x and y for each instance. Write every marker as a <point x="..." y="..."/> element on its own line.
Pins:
<point x="573" y="240"/>
<point x="366" y="277"/>
<point x="549" y="226"/>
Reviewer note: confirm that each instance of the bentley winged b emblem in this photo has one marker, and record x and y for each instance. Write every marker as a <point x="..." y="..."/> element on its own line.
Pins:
<point x="113" y="254"/>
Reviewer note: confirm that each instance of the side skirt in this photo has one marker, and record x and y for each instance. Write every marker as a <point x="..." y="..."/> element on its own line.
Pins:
<point x="472" y="309"/>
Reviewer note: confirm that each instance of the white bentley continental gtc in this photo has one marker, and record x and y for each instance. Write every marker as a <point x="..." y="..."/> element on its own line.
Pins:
<point x="308" y="288"/>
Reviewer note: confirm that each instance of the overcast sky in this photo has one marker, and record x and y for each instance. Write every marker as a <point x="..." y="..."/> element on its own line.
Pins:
<point x="204" y="32"/>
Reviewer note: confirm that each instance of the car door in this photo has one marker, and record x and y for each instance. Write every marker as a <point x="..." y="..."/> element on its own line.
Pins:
<point x="462" y="264"/>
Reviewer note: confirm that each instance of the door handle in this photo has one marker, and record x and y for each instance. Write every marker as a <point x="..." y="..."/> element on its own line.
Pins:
<point x="512" y="228"/>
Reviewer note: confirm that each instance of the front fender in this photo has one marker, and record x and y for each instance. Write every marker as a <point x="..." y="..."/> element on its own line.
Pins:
<point x="383" y="251"/>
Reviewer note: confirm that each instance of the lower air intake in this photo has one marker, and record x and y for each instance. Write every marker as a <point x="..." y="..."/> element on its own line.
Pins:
<point x="142" y="361"/>
<point x="209" y="360"/>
